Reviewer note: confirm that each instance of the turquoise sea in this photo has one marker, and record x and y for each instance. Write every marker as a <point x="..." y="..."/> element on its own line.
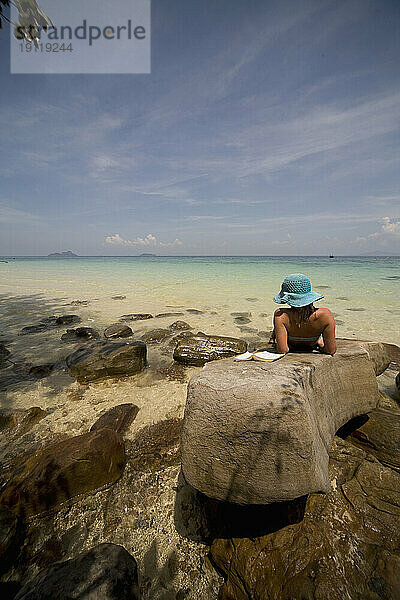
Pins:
<point x="363" y="292"/>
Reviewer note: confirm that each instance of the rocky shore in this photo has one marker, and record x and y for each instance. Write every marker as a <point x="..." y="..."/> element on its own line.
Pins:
<point x="90" y="451"/>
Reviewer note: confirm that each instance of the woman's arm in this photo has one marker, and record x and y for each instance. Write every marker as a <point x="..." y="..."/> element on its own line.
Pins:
<point x="328" y="335"/>
<point x="280" y="332"/>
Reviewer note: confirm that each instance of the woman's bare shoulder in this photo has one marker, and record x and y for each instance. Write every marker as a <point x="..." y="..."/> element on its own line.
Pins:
<point x="324" y="314"/>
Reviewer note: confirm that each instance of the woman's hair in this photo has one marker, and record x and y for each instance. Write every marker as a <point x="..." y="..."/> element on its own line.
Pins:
<point x="303" y="313"/>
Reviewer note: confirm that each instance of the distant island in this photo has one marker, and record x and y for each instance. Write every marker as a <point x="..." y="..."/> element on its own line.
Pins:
<point x="147" y="254"/>
<point x="67" y="254"/>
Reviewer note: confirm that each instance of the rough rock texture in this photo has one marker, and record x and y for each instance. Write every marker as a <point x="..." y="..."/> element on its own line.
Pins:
<point x="117" y="330"/>
<point x="79" y="334"/>
<point x="346" y="546"/>
<point x="117" y="418"/>
<point x="105" y="572"/>
<point x="10" y="537"/>
<point x="64" y="470"/>
<point x="256" y="433"/>
<point x="201" y="348"/>
<point x="107" y="359"/>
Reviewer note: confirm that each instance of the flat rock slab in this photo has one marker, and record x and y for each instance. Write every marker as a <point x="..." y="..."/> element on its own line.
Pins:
<point x="256" y="433"/>
<point x="63" y="470"/>
<point x="101" y="359"/>
<point x="117" y="330"/>
<point x="201" y="348"/>
<point x="105" y="572"/>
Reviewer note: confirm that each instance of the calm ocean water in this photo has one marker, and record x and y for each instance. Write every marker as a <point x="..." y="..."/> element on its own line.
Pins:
<point x="363" y="292"/>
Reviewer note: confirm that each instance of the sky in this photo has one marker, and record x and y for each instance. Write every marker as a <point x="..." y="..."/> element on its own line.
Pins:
<point x="264" y="128"/>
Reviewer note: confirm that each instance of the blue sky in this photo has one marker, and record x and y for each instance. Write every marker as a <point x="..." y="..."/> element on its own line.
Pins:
<point x="264" y="128"/>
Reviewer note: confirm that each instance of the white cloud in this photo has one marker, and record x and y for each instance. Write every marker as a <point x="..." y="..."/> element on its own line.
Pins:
<point x="149" y="241"/>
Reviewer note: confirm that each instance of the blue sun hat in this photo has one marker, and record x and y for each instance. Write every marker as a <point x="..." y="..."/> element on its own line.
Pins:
<point x="296" y="291"/>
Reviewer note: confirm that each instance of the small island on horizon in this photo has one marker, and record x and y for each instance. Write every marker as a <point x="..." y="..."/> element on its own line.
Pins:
<point x="147" y="254"/>
<point x="67" y="254"/>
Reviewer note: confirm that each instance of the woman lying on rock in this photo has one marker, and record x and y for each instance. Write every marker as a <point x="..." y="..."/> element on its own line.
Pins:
<point x="302" y="326"/>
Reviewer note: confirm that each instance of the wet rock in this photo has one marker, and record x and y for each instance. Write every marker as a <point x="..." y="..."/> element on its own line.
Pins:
<point x="397" y="381"/>
<point x="156" y="446"/>
<point x="4" y="354"/>
<point x="169" y="314"/>
<point x="179" y="326"/>
<point x="347" y="544"/>
<point x="33" y="329"/>
<point x="242" y="320"/>
<point x="118" y="418"/>
<point x="19" y="419"/>
<point x="41" y="371"/>
<point x="257" y="433"/>
<point x="356" y="309"/>
<point x="118" y="297"/>
<point x="80" y="334"/>
<point x="67" y="319"/>
<point x="155" y="335"/>
<point x="251" y="299"/>
<point x="201" y="348"/>
<point x="117" y="330"/>
<point x="79" y="302"/>
<point x="105" y="572"/>
<point x="101" y="359"/>
<point x="63" y="470"/>
<point x="244" y="315"/>
<point x="195" y="311"/>
<point x="10" y="538"/>
<point x="136" y="317"/>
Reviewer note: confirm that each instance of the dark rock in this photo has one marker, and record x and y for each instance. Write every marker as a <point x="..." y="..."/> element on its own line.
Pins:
<point x="4" y="354"/>
<point x="117" y="330"/>
<point x="242" y="320"/>
<point x="169" y="314"/>
<point x="33" y="329"/>
<point x="397" y="381"/>
<point x="246" y="315"/>
<point x="67" y="320"/>
<point x="195" y="311"/>
<point x="10" y="537"/>
<point x="251" y="299"/>
<point x="19" y="419"/>
<point x="155" y="335"/>
<point x="118" y="418"/>
<point x="63" y="470"/>
<point x="80" y="334"/>
<point x="156" y="446"/>
<point x="118" y="297"/>
<point x="136" y="317"/>
<point x="201" y="348"/>
<point x="79" y="302"/>
<point x="105" y="572"/>
<point x="41" y="371"/>
<point x="345" y="546"/>
<point x="179" y="326"/>
<point x="106" y="359"/>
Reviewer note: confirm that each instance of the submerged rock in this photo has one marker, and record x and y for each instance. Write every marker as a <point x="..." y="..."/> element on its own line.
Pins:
<point x="118" y="418"/>
<point x="41" y="371"/>
<point x="169" y="314"/>
<point x="50" y="322"/>
<point x="118" y="297"/>
<point x="195" y="311"/>
<point x="67" y="319"/>
<point x="4" y="354"/>
<point x="201" y="348"/>
<point x="256" y="432"/>
<point x="155" y="335"/>
<point x="117" y="330"/>
<point x="242" y="320"/>
<point x="20" y="420"/>
<point x="179" y="326"/>
<point x="102" y="359"/>
<point x="136" y="317"/>
<point x="63" y="470"/>
<point x="105" y="572"/>
<point x="244" y="315"/>
<point x="80" y="334"/>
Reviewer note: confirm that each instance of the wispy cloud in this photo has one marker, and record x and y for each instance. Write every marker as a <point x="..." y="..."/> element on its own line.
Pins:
<point x="149" y="241"/>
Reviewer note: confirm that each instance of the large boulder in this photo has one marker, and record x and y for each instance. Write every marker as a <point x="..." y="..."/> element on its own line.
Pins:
<point x="101" y="359"/>
<point x="257" y="432"/>
<point x="64" y="470"/>
<point x="105" y="572"/>
<point x="201" y="348"/>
